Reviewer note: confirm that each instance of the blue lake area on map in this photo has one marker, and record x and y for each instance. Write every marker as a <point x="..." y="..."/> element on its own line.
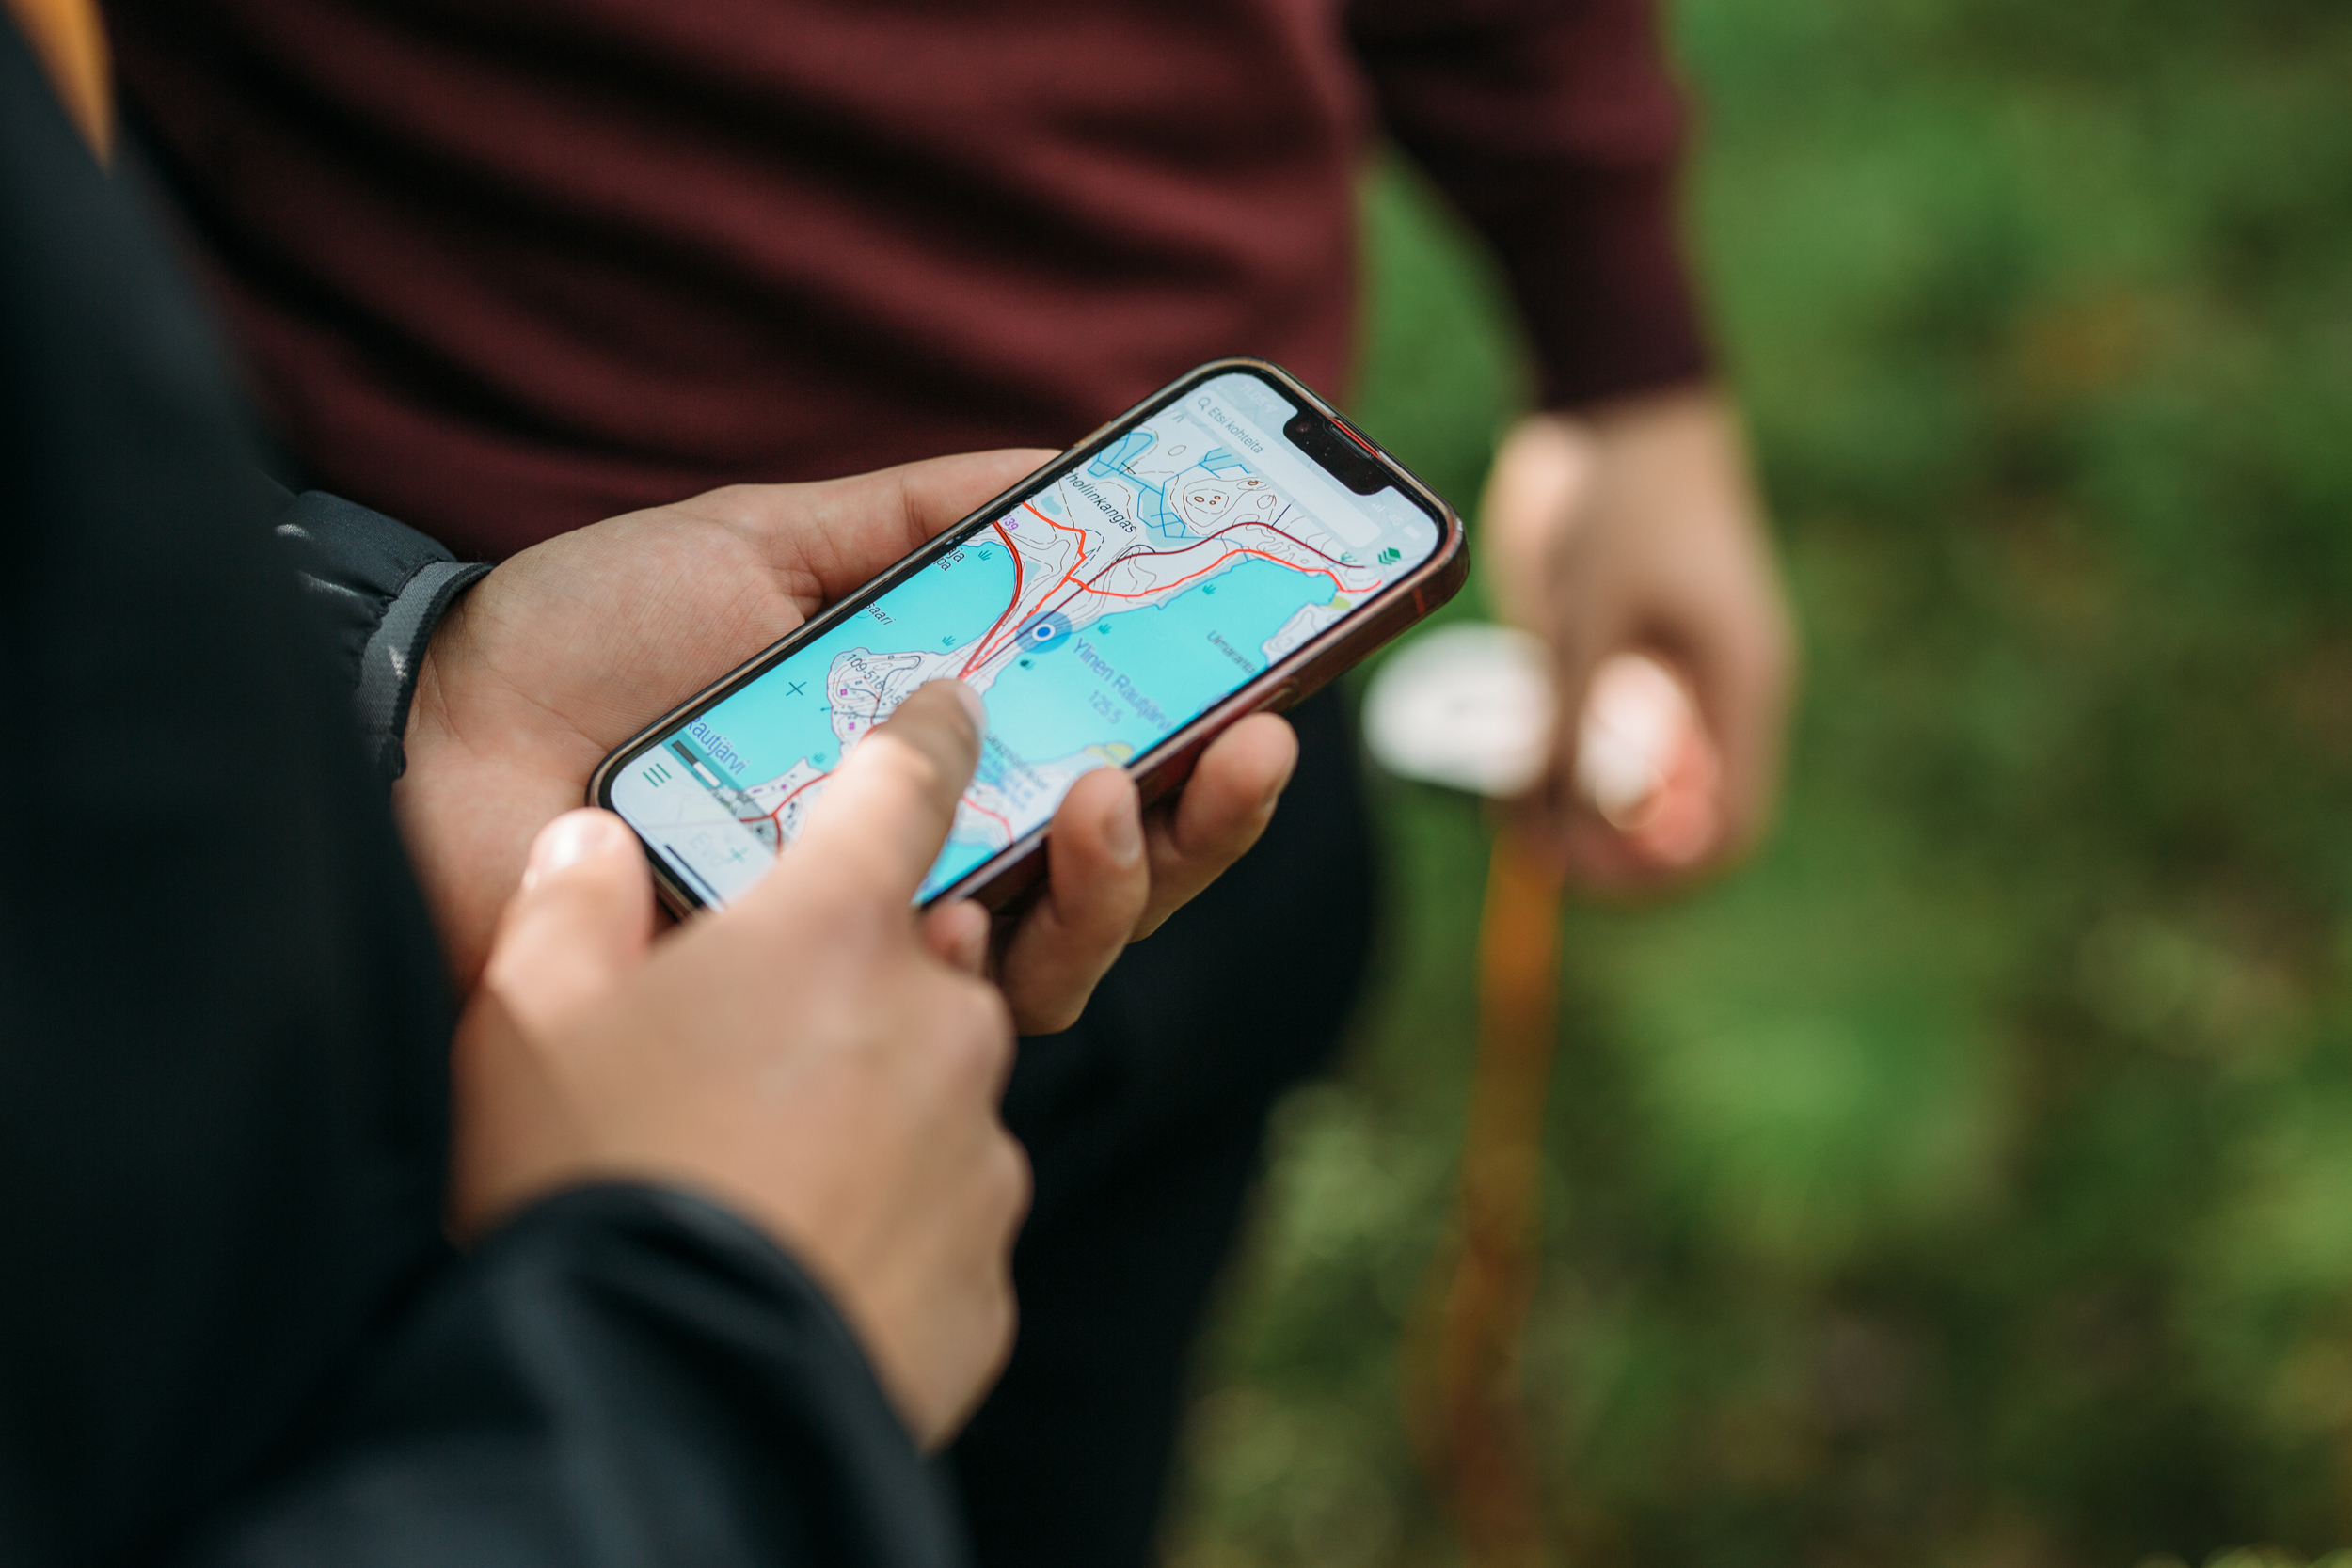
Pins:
<point x="1048" y="709"/>
<point x="772" y="726"/>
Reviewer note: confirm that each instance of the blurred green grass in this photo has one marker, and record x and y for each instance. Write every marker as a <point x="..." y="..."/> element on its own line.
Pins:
<point x="1970" y="1179"/>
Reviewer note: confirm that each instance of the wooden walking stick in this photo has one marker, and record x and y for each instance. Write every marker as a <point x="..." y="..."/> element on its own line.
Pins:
<point x="1469" y="707"/>
<point x="1475" y="1439"/>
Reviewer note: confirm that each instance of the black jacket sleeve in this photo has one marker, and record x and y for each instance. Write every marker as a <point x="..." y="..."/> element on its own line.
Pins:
<point x="232" y="1329"/>
<point x="382" y="587"/>
<point x="621" y="1376"/>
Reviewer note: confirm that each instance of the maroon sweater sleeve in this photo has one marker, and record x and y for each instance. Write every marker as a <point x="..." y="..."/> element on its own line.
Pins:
<point x="1556" y="128"/>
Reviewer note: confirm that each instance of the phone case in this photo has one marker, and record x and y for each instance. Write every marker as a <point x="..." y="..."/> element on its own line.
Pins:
<point x="1014" y="871"/>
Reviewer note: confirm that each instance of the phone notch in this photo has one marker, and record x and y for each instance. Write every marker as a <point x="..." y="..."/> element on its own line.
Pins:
<point x="1339" y="451"/>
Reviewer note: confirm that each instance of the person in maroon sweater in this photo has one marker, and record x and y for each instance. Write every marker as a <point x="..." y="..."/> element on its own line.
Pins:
<point x="502" y="271"/>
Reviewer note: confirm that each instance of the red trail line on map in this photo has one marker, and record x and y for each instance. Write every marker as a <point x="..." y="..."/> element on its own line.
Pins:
<point x="979" y="658"/>
<point x="987" y="653"/>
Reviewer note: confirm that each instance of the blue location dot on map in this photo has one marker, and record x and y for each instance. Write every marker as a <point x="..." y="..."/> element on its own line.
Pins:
<point x="1045" y="632"/>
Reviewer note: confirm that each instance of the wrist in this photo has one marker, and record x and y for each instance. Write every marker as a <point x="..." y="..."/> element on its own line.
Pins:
<point x="1682" y="399"/>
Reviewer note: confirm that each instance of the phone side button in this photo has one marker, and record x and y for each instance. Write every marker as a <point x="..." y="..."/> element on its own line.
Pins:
<point x="1282" y="697"/>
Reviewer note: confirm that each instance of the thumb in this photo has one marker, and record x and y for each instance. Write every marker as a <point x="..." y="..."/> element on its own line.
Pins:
<point x="581" y="918"/>
<point x="887" y="808"/>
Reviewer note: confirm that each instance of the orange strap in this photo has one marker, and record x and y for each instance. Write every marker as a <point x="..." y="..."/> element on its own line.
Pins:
<point x="70" y="41"/>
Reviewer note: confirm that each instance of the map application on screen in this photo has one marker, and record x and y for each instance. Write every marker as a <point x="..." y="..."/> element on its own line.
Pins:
<point x="1095" y="618"/>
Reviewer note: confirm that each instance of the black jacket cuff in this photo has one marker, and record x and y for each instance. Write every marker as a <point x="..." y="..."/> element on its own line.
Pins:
<point x="384" y="587"/>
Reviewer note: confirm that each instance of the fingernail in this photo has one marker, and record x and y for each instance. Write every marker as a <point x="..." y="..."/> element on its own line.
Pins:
<point x="1122" y="833"/>
<point x="972" y="704"/>
<point x="573" y="838"/>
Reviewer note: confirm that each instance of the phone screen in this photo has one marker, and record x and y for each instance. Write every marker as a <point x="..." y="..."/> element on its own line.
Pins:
<point x="1125" y="593"/>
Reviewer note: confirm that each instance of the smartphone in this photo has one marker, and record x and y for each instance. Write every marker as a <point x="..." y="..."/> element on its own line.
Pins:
<point x="1222" y="548"/>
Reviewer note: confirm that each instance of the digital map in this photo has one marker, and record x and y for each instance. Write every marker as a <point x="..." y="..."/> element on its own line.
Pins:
<point x="1095" y="618"/>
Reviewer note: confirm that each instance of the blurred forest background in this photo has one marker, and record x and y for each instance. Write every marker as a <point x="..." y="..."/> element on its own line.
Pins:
<point x="1970" y="1179"/>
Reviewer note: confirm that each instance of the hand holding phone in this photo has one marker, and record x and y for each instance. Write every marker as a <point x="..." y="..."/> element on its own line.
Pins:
<point x="555" y="658"/>
<point x="1222" y="549"/>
